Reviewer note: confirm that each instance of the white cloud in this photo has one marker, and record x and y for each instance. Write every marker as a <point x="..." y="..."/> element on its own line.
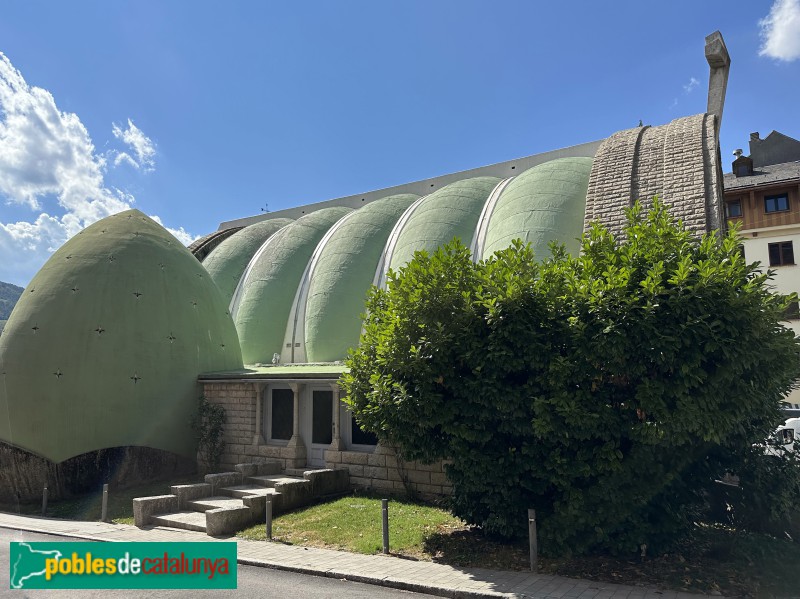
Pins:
<point x="180" y="234"/>
<point x="141" y="145"/>
<point x="47" y="156"/>
<point x="125" y="157"/>
<point x="689" y="87"/>
<point x="780" y="31"/>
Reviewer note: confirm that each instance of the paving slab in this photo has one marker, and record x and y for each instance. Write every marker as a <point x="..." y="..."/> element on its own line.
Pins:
<point x="418" y="576"/>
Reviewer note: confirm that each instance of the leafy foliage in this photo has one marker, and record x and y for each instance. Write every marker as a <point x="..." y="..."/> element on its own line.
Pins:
<point x="9" y="294"/>
<point x="208" y="424"/>
<point x="605" y="390"/>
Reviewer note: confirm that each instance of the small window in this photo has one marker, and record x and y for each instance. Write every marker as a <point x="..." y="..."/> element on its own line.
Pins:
<point x="360" y="436"/>
<point x="792" y="311"/>
<point x="743" y="170"/>
<point x="282" y="424"/>
<point x="777" y="203"/>
<point x="734" y="209"/>
<point x="781" y="254"/>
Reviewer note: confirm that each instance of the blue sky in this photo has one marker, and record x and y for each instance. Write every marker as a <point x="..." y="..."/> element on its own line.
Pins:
<point x="208" y="111"/>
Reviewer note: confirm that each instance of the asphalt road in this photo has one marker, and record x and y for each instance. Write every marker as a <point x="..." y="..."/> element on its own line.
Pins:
<point x="255" y="582"/>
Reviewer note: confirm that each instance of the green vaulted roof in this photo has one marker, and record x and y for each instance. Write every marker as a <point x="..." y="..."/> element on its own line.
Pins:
<point x="104" y="347"/>
<point x="545" y="203"/>
<point x="342" y="275"/>
<point x="266" y="294"/>
<point x="228" y="260"/>
<point x="452" y="211"/>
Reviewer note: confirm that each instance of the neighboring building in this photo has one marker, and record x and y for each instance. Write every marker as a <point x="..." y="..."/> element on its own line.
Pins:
<point x="762" y="194"/>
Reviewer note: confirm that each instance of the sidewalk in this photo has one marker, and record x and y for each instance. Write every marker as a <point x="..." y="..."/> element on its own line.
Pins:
<point x="418" y="576"/>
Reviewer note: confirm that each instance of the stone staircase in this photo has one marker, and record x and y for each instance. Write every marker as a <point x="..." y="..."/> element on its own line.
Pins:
<point x="231" y="501"/>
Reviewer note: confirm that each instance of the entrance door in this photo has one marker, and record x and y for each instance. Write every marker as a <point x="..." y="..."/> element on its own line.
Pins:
<point x="319" y="426"/>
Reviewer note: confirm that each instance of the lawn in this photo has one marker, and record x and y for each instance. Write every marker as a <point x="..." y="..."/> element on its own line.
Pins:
<point x="716" y="560"/>
<point x="354" y="524"/>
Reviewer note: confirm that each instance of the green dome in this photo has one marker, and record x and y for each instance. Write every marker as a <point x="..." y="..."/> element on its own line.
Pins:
<point x="228" y="260"/>
<point x="265" y="296"/>
<point x="342" y="275"/>
<point x="104" y="347"/>
<point x="543" y="204"/>
<point x="452" y="211"/>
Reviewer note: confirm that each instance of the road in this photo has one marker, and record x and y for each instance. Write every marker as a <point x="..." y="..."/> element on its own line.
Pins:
<point x="254" y="582"/>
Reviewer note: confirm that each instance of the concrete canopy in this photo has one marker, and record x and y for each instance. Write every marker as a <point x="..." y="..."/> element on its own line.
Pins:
<point x="104" y="347"/>
<point x="266" y="293"/>
<point x="452" y="211"/>
<point x="342" y="276"/>
<point x="229" y="259"/>
<point x="543" y="204"/>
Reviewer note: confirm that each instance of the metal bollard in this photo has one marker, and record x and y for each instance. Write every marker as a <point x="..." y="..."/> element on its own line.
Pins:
<point x="44" y="501"/>
<point x="385" y="514"/>
<point x="104" y="510"/>
<point x="534" y="542"/>
<point x="269" y="518"/>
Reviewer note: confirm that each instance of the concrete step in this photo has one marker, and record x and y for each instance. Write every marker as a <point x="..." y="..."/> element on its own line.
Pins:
<point x="298" y="472"/>
<point x="210" y="503"/>
<point x="245" y="490"/>
<point x="185" y="520"/>
<point x="270" y="480"/>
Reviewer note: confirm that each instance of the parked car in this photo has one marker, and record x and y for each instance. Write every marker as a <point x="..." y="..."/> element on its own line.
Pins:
<point x="787" y="436"/>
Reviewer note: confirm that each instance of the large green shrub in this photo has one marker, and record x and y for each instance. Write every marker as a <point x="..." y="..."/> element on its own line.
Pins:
<point x="605" y="390"/>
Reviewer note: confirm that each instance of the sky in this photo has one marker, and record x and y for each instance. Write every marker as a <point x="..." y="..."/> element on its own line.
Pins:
<point x="202" y="112"/>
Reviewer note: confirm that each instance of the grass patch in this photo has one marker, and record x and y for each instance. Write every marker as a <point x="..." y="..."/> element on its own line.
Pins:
<point x="354" y="524"/>
<point x="715" y="560"/>
<point x="89" y="505"/>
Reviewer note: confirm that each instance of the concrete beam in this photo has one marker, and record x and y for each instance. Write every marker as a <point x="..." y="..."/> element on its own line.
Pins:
<point x="719" y="62"/>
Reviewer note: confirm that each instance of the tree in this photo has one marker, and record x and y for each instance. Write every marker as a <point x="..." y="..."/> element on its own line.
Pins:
<point x="605" y="390"/>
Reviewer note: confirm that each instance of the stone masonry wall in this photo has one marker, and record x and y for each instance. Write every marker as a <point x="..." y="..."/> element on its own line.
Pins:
<point x="380" y="470"/>
<point x="238" y="399"/>
<point x="239" y="433"/>
<point x="384" y="471"/>
<point x="678" y="162"/>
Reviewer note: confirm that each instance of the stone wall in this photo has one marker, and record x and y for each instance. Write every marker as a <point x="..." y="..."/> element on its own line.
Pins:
<point x="679" y="162"/>
<point x="380" y="470"/>
<point x="243" y="443"/>
<point x="238" y="400"/>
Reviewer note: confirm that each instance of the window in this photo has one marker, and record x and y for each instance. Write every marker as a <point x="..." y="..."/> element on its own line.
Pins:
<point x="734" y="209"/>
<point x="282" y="424"/>
<point x="776" y="203"/>
<point x="792" y="311"/>
<point x="360" y="436"/>
<point x="781" y="254"/>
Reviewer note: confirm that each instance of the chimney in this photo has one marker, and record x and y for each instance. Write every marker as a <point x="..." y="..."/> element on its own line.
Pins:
<point x="754" y="137"/>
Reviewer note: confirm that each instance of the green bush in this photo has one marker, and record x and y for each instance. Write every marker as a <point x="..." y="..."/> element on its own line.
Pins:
<point x="606" y="390"/>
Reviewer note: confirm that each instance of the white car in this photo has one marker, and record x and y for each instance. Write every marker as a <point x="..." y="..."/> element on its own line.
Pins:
<point x="787" y="437"/>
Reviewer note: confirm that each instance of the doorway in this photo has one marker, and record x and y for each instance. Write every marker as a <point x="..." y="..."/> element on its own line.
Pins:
<point x="318" y="425"/>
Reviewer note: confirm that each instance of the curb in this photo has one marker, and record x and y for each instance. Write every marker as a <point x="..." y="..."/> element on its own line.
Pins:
<point x="388" y="582"/>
